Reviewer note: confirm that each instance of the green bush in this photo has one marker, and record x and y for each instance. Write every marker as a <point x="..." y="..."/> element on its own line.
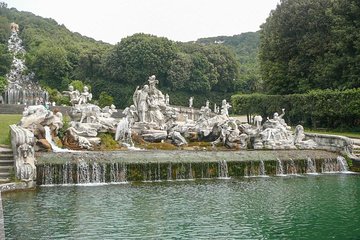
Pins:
<point x="315" y="109"/>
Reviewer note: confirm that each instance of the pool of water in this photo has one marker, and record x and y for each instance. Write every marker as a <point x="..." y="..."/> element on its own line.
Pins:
<point x="301" y="207"/>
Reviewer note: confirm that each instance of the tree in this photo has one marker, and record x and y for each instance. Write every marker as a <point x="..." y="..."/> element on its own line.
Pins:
<point x="51" y="65"/>
<point x="3" y="84"/>
<point x="293" y="44"/>
<point x="5" y="60"/>
<point x="137" y="57"/>
<point x="179" y="71"/>
<point x="105" y="99"/>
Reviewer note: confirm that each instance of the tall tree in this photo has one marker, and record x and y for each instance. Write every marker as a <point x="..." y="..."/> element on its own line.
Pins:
<point x="137" y="57"/>
<point x="294" y="43"/>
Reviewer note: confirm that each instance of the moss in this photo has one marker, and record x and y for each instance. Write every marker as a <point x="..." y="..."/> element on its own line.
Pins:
<point x="108" y="142"/>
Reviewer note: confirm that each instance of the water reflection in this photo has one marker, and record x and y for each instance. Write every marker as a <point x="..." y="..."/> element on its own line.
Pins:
<point x="306" y="207"/>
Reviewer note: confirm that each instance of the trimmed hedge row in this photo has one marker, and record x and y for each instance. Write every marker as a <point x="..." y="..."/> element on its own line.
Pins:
<point x="316" y="109"/>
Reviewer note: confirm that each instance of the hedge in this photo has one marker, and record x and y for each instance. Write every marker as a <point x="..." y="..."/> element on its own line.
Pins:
<point x="315" y="109"/>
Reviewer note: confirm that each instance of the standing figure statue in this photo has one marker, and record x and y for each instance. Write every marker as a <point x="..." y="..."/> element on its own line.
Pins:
<point x="140" y="98"/>
<point x="73" y="94"/>
<point x="85" y="96"/>
<point x="167" y="99"/>
<point x="191" y="102"/>
<point x="225" y="108"/>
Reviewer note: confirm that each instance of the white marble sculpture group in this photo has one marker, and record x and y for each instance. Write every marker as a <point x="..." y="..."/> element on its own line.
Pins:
<point x="150" y="118"/>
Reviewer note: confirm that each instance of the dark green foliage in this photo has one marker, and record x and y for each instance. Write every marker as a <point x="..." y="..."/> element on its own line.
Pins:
<point x="136" y="58"/>
<point x="318" y="108"/>
<point x="311" y="44"/>
<point x="58" y="56"/>
<point x="105" y="99"/>
<point x="245" y="47"/>
<point x="5" y="60"/>
<point x="3" y="84"/>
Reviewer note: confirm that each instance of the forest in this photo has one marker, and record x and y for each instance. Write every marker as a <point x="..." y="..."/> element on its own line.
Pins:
<point x="59" y="57"/>
<point x="303" y="46"/>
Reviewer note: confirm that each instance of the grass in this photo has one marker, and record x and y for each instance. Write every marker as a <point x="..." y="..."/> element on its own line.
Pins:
<point x="5" y="121"/>
<point x="334" y="132"/>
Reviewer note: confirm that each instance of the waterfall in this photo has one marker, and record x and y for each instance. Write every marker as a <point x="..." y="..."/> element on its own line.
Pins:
<point x="169" y="172"/>
<point x="21" y="89"/>
<point x="67" y="173"/>
<point x="343" y="166"/>
<point x="223" y="171"/>
<point x="52" y="143"/>
<point x="190" y="172"/>
<point x="118" y="173"/>
<point x="83" y="174"/>
<point x="262" y="171"/>
<point x="279" y="168"/>
<point x="291" y="167"/>
<point x="310" y="166"/>
<point x="47" y="178"/>
<point x="180" y="172"/>
<point x="335" y="165"/>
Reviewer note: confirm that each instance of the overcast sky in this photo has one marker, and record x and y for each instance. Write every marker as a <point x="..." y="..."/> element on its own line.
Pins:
<point x="178" y="20"/>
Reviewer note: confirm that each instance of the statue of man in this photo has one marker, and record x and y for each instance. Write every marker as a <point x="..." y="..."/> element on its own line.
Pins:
<point x="191" y="102"/>
<point x="142" y="102"/>
<point x="167" y="99"/>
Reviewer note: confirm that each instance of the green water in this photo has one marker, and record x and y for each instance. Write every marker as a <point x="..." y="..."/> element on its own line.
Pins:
<point x="303" y="207"/>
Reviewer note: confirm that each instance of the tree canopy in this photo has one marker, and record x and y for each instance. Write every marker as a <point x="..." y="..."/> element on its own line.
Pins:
<point x="311" y="44"/>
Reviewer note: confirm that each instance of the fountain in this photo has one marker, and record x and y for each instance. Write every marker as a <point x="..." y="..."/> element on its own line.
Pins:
<point x="311" y="166"/>
<point x="21" y="89"/>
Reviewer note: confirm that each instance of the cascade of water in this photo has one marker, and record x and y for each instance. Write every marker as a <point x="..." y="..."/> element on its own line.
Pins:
<point x="83" y="172"/>
<point x="279" y="168"/>
<point x="21" y="86"/>
<point x="223" y="171"/>
<point x="118" y="172"/>
<point x="67" y="173"/>
<point x="329" y="166"/>
<point x="47" y="178"/>
<point x="169" y="172"/>
<point x="190" y="172"/>
<point x="180" y="172"/>
<point x="310" y="166"/>
<point x="262" y="171"/>
<point x="343" y="166"/>
<point x="96" y="173"/>
<point x="291" y="167"/>
<point x="52" y="143"/>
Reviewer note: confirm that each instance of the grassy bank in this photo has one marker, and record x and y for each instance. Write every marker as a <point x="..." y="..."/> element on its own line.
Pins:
<point x="5" y="121"/>
<point x="334" y="132"/>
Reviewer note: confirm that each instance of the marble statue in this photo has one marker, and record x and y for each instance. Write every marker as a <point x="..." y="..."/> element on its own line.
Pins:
<point x="21" y="85"/>
<point x="85" y="96"/>
<point x="73" y="94"/>
<point x="23" y="142"/>
<point x="257" y="120"/>
<point x="167" y="99"/>
<point x="299" y="139"/>
<point x="191" y="99"/>
<point x="14" y="27"/>
<point x="225" y="108"/>
<point x="141" y="97"/>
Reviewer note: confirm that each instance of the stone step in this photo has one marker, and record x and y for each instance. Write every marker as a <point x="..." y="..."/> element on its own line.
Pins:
<point x="6" y="169"/>
<point x="6" y="151"/>
<point x="6" y="156"/>
<point x="5" y="175"/>
<point x="7" y="162"/>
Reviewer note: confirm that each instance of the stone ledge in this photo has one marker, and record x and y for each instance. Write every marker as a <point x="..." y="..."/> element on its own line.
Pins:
<point x="14" y="186"/>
